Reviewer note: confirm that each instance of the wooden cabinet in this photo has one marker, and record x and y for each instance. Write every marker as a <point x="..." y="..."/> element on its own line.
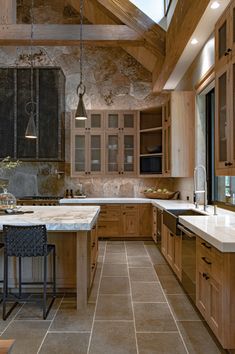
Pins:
<point x="178" y="147"/>
<point x="145" y="220"/>
<point x="92" y="253"/>
<point x="215" y="285"/>
<point x="225" y="93"/>
<point x="49" y="97"/>
<point x="154" y="224"/>
<point x="171" y="245"/>
<point x="104" y="144"/>
<point x="87" y="143"/>
<point x="130" y="220"/>
<point x="150" y="142"/>
<point x="109" y="224"/>
<point x="225" y="37"/>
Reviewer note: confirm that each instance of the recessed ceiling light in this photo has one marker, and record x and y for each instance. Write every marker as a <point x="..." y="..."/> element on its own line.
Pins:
<point x="215" y="5"/>
<point x="194" y="41"/>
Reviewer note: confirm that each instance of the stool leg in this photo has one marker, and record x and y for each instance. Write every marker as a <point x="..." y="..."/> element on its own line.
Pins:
<point x="45" y="289"/>
<point x="54" y="273"/>
<point x="5" y="287"/>
<point x="20" y="277"/>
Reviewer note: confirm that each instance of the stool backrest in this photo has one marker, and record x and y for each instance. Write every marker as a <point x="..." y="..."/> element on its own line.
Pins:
<point x="25" y="241"/>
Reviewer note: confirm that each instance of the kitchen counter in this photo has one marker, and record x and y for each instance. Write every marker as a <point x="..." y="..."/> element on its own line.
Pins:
<point x="56" y="218"/>
<point x="218" y="230"/>
<point x="69" y="229"/>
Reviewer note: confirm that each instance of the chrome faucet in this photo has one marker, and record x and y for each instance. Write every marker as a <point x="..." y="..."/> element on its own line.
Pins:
<point x="196" y="191"/>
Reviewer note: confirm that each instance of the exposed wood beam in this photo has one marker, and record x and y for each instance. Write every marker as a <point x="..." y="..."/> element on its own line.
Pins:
<point x="94" y="12"/>
<point x="7" y="12"/>
<point x="67" y="34"/>
<point x="185" y="20"/>
<point x="137" y="20"/>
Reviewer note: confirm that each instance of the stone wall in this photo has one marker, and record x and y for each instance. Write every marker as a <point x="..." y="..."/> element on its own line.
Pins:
<point x="114" y="80"/>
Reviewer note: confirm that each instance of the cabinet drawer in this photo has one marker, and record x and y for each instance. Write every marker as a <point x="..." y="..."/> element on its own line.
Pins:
<point x="211" y="265"/>
<point x="130" y="207"/>
<point x="108" y="228"/>
<point x="110" y="213"/>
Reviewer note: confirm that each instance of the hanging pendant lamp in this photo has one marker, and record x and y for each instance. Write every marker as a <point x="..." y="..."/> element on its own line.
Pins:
<point x="31" y="130"/>
<point x="81" y="113"/>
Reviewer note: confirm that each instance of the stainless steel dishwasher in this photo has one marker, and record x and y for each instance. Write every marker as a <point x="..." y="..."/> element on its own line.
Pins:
<point x="188" y="261"/>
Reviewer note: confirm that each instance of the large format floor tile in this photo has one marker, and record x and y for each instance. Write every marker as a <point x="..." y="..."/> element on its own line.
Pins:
<point x="147" y="292"/>
<point x="182" y="308"/>
<point x="113" y="338"/>
<point x="170" y="284"/>
<point x="115" y="285"/>
<point x="115" y="258"/>
<point x="28" y="335"/>
<point x="142" y="274"/>
<point x="160" y="343"/>
<point x="68" y="343"/>
<point x="114" y="307"/>
<point x="138" y="261"/>
<point x="153" y="317"/>
<point x="115" y="270"/>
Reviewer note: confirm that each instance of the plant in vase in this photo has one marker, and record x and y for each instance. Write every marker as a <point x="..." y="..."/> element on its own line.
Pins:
<point x="7" y="166"/>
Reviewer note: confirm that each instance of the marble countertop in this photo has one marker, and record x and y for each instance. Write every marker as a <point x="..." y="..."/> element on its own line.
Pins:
<point x="56" y="218"/>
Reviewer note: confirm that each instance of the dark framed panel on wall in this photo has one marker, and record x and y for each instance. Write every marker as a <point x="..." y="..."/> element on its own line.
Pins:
<point x="49" y="95"/>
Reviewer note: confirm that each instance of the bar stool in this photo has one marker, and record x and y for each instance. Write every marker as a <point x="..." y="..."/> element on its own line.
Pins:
<point x="27" y="241"/>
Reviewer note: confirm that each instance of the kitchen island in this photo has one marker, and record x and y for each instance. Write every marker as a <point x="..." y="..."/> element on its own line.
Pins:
<point x="73" y="231"/>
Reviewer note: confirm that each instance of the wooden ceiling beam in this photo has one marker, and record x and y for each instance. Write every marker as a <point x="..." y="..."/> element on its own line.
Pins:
<point x="130" y="15"/>
<point x="67" y="34"/>
<point x="184" y="22"/>
<point x="7" y="12"/>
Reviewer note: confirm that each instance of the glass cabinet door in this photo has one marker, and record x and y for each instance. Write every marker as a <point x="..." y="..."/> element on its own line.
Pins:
<point x="113" y="121"/>
<point x="129" y="121"/>
<point x="79" y="156"/>
<point x="222" y="40"/>
<point x="96" y="121"/>
<point x="113" y="153"/>
<point x="96" y="153"/>
<point x="129" y="153"/>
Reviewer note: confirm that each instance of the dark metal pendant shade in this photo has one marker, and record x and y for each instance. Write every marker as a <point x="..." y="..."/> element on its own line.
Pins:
<point x="81" y="113"/>
<point x="31" y="131"/>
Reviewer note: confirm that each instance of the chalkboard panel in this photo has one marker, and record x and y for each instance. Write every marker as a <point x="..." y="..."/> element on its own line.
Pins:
<point x="6" y="112"/>
<point x="49" y="95"/>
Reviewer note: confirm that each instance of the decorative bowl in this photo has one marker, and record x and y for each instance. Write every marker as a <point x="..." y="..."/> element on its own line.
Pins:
<point x="154" y="149"/>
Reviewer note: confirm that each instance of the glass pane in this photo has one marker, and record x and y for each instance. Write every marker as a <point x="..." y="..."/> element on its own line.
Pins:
<point x="79" y="153"/>
<point x="95" y="153"/>
<point x="129" y="121"/>
<point x="113" y="120"/>
<point x="95" y="121"/>
<point x="128" y="153"/>
<point x="80" y="123"/>
<point x="222" y="39"/>
<point x="112" y="153"/>
<point x="233" y="112"/>
<point x="222" y="118"/>
<point x="234" y="25"/>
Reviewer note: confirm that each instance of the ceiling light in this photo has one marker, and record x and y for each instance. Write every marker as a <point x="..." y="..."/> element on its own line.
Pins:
<point x="194" y="41"/>
<point x="215" y="5"/>
<point x="81" y="113"/>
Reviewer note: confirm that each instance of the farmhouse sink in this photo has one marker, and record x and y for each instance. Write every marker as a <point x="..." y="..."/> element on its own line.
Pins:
<point x="171" y="217"/>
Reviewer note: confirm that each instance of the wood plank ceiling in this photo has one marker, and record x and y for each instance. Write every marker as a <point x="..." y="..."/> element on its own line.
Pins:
<point x="110" y="23"/>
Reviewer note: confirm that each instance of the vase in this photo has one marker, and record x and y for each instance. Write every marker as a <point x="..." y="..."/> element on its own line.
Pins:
<point x="7" y="200"/>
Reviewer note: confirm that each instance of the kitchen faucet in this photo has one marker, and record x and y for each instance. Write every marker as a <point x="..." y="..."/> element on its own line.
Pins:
<point x="196" y="191"/>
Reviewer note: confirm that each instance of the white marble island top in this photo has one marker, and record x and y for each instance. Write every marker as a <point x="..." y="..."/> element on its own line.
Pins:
<point x="56" y="218"/>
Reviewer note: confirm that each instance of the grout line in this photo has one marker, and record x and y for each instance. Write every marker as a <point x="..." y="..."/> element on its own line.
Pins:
<point x="180" y="334"/>
<point x="61" y="332"/>
<point x="50" y="325"/>
<point x="12" y="320"/>
<point x="162" y="332"/>
<point x="130" y="321"/>
<point x="149" y="302"/>
<point x="115" y="276"/>
<point x="97" y="297"/>
<point x="32" y="320"/>
<point x="136" y="342"/>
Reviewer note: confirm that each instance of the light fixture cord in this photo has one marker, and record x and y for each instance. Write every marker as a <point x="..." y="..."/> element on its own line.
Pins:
<point x="31" y="53"/>
<point x="81" y="43"/>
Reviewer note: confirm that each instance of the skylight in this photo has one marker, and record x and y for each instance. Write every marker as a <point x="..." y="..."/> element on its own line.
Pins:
<point x="152" y="8"/>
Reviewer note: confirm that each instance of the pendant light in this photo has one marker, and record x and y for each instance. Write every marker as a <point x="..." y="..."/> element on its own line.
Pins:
<point x="81" y="113"/>
<point x="30" y="107"/>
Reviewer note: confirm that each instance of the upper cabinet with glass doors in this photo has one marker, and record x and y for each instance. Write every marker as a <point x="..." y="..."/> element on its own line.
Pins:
<point x="104" y="144"/>
<point x="225" y="37"/>
<point x="225" y="94"/>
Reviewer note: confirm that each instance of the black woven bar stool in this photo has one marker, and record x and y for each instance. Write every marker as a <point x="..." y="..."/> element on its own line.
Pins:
<point x="27" y="241"/>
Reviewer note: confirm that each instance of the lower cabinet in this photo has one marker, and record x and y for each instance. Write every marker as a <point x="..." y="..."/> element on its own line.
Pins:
<point x="215" y="287"/>
<point x="92" y="253"/>
<point x="125" y="220"/>
<point x="171" y="248"/>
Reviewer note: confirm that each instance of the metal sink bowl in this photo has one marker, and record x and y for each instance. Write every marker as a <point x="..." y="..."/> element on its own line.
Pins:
<point x="171" y="217"/>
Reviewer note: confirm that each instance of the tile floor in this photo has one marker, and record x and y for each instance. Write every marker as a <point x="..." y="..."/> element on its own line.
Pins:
<point x="136" y="307"/>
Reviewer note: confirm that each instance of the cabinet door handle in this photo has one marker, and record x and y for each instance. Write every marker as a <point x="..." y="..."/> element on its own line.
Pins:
<point x="205" y="245"/>
<point x="206" y="276"/>
<point x="206" y="260"/>
<point x="229" y="50"/>
<point x="171" y="234"/>
<point x="228" y="163"/>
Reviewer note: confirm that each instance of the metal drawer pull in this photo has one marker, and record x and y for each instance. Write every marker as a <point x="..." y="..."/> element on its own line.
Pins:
<point x="186" y="231"/>
<point x="205" y="275"/>
<point x="206" y="261"/>
<point x="205" y="245"/>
